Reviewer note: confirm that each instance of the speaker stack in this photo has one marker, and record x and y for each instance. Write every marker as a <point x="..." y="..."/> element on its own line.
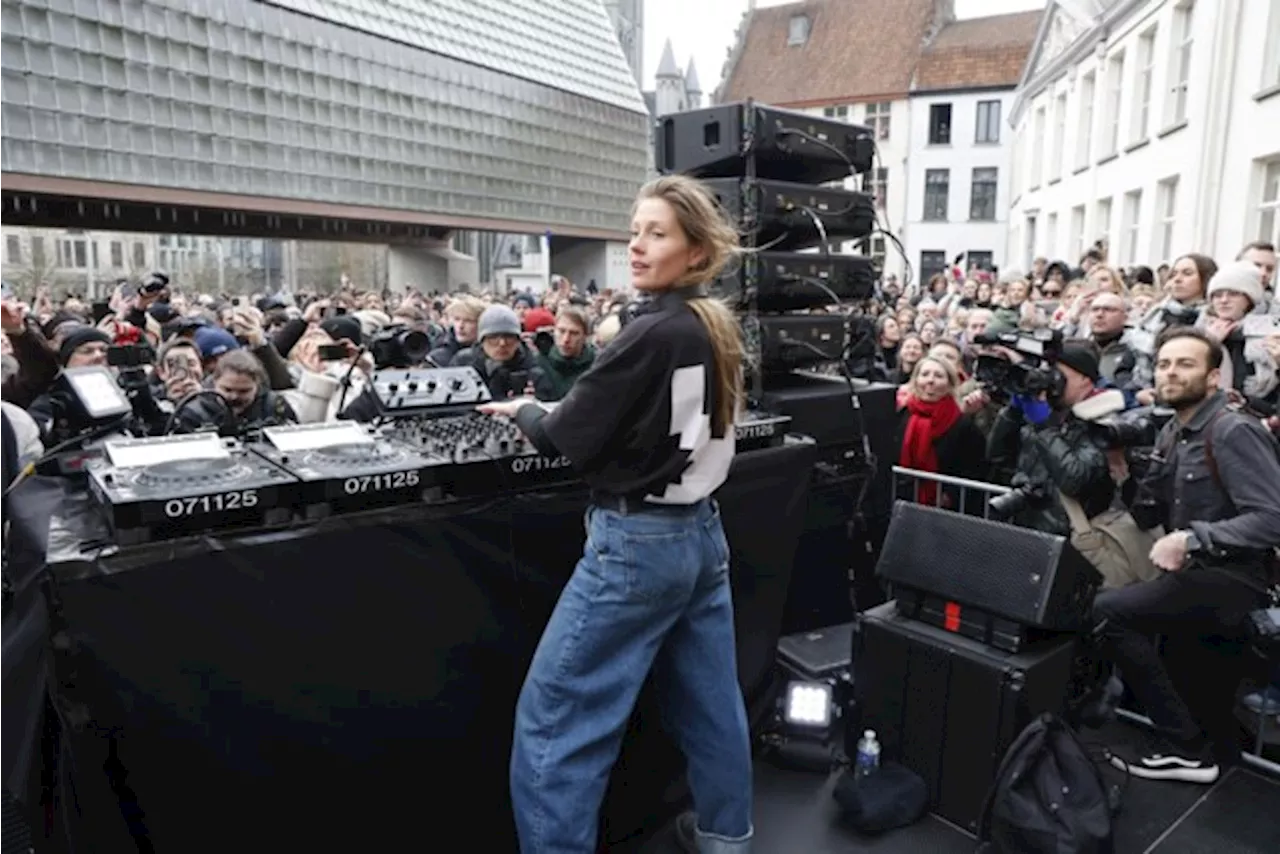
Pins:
<point x="773" y="172"/>
<point x="981" y="639"/>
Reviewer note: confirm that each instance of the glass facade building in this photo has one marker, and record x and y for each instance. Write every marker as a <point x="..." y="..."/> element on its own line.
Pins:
<point x="476" y="111"/>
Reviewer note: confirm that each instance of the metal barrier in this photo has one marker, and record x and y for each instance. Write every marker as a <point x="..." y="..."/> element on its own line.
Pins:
<point x="913" y="478"/>
<point x="942" y="497"/>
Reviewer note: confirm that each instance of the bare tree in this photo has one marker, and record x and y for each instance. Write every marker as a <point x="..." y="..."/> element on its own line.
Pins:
<point x="38" y="271"/>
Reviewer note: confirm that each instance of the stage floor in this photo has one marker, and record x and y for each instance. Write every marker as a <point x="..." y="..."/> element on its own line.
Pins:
<point x="794" y="812"/>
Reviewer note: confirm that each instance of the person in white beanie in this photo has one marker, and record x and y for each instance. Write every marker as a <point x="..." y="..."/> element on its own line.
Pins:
<point x="1248" y="373"/>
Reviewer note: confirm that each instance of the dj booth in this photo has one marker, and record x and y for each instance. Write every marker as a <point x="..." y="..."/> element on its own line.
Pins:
<point x="353" y="681"/>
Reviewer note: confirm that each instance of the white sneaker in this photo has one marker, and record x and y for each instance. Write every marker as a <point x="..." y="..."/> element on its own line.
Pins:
<point x="1170" y="765"/>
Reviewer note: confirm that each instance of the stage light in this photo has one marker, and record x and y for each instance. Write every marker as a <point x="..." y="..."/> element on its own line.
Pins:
<point x="808" y="705"/>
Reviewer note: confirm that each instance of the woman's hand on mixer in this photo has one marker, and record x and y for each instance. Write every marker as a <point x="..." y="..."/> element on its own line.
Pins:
<point x="506" y="408"/>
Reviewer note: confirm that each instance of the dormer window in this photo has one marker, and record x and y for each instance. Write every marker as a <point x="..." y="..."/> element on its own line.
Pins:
<point x="798" y="30"/>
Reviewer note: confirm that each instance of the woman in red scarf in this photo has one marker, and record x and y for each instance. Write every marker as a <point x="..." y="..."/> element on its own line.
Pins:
<point x="936" y="436"/>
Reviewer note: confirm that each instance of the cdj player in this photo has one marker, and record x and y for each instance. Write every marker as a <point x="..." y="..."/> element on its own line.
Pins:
<point x="345" y="467"/>
<point x="175" y="486"/>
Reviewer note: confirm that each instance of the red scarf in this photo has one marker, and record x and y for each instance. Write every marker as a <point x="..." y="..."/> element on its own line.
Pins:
<point x="926" y="424"/>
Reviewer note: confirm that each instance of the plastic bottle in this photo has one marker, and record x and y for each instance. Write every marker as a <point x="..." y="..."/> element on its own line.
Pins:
<point x="868" y="759"/>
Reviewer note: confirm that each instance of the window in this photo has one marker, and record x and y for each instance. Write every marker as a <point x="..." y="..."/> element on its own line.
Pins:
<point x="117" y="254"/>
<point x="1030" y="245"/>
<point x="1102" y="221"/>
<point x="937" y="189"/>
<point x="878" y="186"/>
<point x="1037" y="150"/>
<point x="878" y="119"/>
<point x="841" y="112"/>
<point x="1175" y="109"/>
<point x="1051" y="236"/>
<point x="1166" y="214"/>
<point x="1059" y="136"/>
<point x="1084" y="142"/>
<point x="1115" y="97"/>
<point x="1269" y="203"/>
<point x="13" y="249"/>
<point x="940" y="124"/>
<point x="873" y="247"/>
<point x="932" y="261"/>
<point x="1142" y="94"/>
<point x="980" y="258"/>
<point x="987" y="128"/>
<point x="1132" y="224"/>
<point x="797" y="30"/>
<point x="982" y="194"/>
<point x="139" y="254"/>
<point x="1077" y="231"/>
<point x="1271" y="51"/>
<point x="38" y="258"/>
<point x="73" y="254"/>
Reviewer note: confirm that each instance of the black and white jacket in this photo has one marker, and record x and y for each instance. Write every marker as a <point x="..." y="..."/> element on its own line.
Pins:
<point x="638" y="423"/>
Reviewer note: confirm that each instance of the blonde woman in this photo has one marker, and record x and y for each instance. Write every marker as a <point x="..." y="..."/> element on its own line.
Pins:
<point x="934" y="434"/>
<point x="650" y="428"/>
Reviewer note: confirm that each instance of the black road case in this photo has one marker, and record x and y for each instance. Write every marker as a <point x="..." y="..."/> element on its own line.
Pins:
<point x="947" y="706"/>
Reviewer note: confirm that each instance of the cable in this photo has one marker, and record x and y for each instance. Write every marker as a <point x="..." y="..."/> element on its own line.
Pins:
<point x="822" y="230"/>
<point x="30" y="468"/>
<point x="346" y="379"/>
<point x="808" y="137"/>
<point x="817" y="283"/>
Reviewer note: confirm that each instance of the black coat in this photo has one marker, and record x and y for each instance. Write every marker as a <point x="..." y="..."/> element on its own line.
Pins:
<point x="962" y="452"/>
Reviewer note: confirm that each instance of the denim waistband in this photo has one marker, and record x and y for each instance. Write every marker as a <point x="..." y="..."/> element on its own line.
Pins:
<point x="630" y="504"/>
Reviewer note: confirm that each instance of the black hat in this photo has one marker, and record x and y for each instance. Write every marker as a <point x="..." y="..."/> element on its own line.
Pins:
<point x="76" y="337"/>
<point x="343" y="326"/>
<point x="1083" y="358"/>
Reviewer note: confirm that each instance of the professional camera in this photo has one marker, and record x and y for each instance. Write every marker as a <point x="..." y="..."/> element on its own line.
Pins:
<point x="130" y="356"/>
<point x="154" y="283"/>
<point x="1036" y="374"/>
<point x="398" y="346"/>
<point x="1015" y="501"/>
<point x="1136" y="428"/>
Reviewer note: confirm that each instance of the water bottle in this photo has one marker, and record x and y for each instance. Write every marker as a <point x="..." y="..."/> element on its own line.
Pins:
<point x="868" y="759"/>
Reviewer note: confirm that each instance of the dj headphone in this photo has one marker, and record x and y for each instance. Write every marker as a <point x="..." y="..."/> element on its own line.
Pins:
<point x="644" y="305"/>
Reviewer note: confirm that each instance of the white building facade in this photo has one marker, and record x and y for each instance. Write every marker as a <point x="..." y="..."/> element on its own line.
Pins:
<point x="1152" y="125"/>
<point x="958" y="179"/>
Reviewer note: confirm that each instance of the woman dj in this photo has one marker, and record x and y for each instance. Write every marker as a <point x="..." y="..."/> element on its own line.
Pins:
<point x="650" y="429"/>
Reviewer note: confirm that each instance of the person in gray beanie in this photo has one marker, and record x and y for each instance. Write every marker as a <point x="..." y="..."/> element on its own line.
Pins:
<point x="1248" y="372"/>
<point x="504" y="361"/>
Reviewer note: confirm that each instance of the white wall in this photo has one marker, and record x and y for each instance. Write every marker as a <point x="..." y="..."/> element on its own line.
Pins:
<point x="963" y="155"/>
<point x="1213" y="152"/>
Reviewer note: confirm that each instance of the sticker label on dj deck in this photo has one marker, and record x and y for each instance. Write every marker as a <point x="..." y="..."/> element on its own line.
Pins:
<point x="537" y="462"/>
<point x="242" y="499"/>
<point x="755" y="431"/>
<point x="378" y="482"/>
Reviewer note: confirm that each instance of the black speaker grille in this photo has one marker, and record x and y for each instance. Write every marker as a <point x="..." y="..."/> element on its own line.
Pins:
<point x="1033" y="578"/>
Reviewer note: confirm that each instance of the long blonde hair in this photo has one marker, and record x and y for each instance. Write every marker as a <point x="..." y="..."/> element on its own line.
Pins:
<point x="708" y="229"/>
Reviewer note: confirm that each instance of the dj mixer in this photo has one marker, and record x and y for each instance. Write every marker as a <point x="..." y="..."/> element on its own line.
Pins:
<point x="432" y="445"/>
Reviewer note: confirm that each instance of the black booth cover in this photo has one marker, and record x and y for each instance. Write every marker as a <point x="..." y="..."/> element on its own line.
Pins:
<point x="356" y="685"/>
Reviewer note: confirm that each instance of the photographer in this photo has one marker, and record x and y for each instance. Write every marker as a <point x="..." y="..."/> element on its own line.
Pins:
<point x="1214" y="484"/>
<point x="240" y="398"/>
<point x="1050" y="449"/>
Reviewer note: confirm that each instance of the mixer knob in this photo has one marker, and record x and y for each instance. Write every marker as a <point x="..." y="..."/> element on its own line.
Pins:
<point x="393" y="387"/>
<point x="413" y="388"/>
<point x="455" y="384"/>
<point x="431" y="386"/>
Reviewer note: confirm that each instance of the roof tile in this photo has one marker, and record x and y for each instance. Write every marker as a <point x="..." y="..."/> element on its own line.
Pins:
<point x="978" y="52"/>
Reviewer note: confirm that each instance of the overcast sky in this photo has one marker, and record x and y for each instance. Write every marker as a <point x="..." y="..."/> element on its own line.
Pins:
<point x="703" y="30"/>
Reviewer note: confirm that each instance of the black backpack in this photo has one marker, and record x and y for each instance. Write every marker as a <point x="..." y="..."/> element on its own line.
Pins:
<point x="1048" y="797"/>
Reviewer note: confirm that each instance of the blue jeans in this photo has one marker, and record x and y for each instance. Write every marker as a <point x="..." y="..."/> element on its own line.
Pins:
<point x="651" y="591"/>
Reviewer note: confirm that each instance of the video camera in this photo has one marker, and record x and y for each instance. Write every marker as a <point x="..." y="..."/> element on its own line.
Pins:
<point x="398" y="346"/>
<point x="1036" y="374"/>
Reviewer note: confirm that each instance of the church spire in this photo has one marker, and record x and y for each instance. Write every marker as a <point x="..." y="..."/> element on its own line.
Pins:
<point x="667" y="66"/>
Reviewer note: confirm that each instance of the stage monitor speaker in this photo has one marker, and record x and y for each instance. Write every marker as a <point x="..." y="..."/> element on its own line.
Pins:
<point x="782" y="215"/>
<point x="1034" y="579"/>
<point x="715" y="142"/>
<point x="948" y="707"/>
<point x="777" y="343"/>
<point x="794" y="281"/>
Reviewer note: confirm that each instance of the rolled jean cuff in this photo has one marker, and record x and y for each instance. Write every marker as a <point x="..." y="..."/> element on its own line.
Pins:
<point x="712" y="843"/>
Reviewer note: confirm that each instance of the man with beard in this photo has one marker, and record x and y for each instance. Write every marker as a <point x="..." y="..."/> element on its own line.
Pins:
<point x="1214" y="484"/>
